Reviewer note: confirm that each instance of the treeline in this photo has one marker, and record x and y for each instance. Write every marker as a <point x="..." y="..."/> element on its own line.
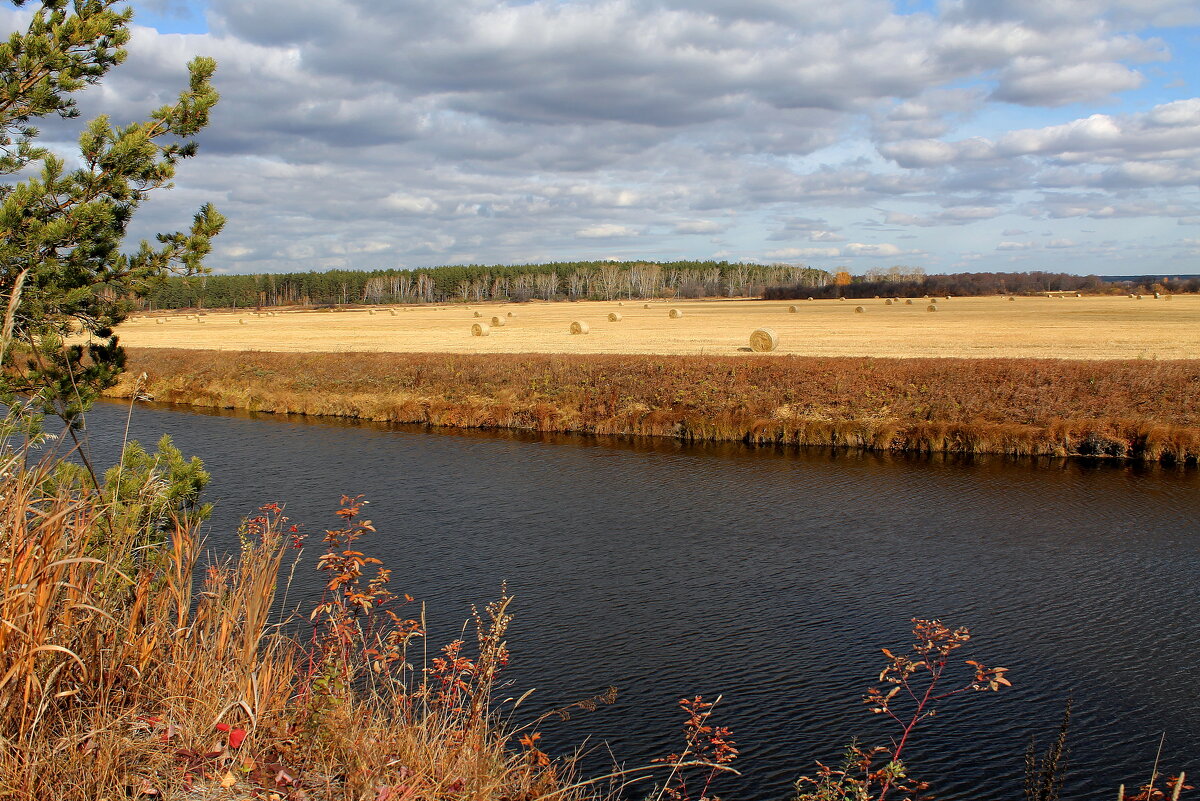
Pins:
<point x="918" y="285"/>
<point x="594" y="280"/>
<point x="1147" y="284"/>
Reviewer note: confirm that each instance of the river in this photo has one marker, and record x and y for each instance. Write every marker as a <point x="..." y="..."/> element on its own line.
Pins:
<point x="771" y="577"/>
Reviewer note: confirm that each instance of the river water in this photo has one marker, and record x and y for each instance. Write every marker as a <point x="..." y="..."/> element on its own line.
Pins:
<point x="771" y="577"/>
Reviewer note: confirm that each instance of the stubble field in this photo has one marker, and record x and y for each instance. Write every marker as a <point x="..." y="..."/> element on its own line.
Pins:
<point x="1027" y="327"/>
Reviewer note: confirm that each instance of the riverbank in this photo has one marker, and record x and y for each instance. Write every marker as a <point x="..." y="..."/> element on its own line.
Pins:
<point x="1135" y="409"/>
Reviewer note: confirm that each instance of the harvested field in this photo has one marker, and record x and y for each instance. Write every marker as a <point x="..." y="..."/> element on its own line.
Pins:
<point x="1029" y="327"/>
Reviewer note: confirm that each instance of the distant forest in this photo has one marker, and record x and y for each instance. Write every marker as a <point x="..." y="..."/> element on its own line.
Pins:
<point x="900" y="283"/>
<point x="606" y="280"/>
<point x="594" y="280"/>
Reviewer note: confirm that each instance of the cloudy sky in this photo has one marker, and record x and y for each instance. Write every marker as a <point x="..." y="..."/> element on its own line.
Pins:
<point x="963" y="134"/>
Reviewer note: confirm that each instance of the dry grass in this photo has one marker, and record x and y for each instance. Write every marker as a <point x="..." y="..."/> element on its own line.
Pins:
<point x="1138" y="409"/>
<point x="143" y="674"/>
<point x="1030" y="327"/>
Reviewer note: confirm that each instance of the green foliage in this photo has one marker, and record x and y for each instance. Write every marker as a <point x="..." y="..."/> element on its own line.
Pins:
<point x="63" y="274"/>
<point x="146" y="494"/>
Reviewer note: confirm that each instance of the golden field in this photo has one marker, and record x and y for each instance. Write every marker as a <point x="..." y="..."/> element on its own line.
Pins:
<point x="1027" y="327"/>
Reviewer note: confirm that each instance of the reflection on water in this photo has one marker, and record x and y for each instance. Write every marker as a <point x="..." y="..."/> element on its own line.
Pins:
<point x="770" y="576"/>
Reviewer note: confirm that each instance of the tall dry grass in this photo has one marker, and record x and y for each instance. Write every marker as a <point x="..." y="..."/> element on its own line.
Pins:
<point x="1021" y="407"/>
<point x="150" y="674"/>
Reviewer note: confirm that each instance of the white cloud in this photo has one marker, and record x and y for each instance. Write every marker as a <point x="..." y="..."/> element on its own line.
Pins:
<point x="409" y="203"/>
<point x="698" y="227"/>
<point x="605" y="231"/>
<point x="866" y="249"/>
<point x="804" y="253"/>
<point x="357" y="133"/>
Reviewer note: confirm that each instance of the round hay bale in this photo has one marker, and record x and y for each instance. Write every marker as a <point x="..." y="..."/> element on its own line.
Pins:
<point x="579" y="327"/>
<point x="392" y="312"/>
<point x="498" y="321"/>
<point x="241" y="322"/>
<point x="843" y="300"/>
<point x="614" y="317"/>
<point x="933" y="300"/>
<point x="480" y="330"/>
<point x="810" y="297"/>
<point x="478" y="314"/>
<point x="511" y="314"/>
<point x="859" y="310"/>
<point x="1139" y="297"/>
<point x="908" y="302"/>
<point x="620" y="303"/>
<point x="1078" y="295"/>
<point x="764" y="340"/>
<point x="887" y="302"/>
<point x="158" y="322"/>
<point x="675" y="314"/>
<point x="931" y="307"/>
<point x="1010" y="300"/>
<point x="1157" y="295"/>
<point x="645" y="305"/>
<point x="371" y="312"/>
<point x="792" y="309"/>
<point x="1131" y="294"/>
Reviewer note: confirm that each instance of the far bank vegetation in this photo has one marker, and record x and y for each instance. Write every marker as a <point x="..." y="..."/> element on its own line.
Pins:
<point x="1136" y="409"/>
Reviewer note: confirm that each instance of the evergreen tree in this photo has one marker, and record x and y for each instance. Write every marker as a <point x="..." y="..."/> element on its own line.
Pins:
<point x="64" y="279"/>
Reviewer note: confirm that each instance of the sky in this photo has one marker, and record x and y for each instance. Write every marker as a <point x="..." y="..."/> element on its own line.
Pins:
<point x="975" y="135"/>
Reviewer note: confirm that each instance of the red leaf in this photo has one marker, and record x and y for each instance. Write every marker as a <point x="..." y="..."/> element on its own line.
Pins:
<point x="222" y="727"/>
<point x="236" y="737"/>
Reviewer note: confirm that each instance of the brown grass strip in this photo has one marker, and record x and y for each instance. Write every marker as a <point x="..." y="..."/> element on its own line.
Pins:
<point x="1135" y="409"/>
